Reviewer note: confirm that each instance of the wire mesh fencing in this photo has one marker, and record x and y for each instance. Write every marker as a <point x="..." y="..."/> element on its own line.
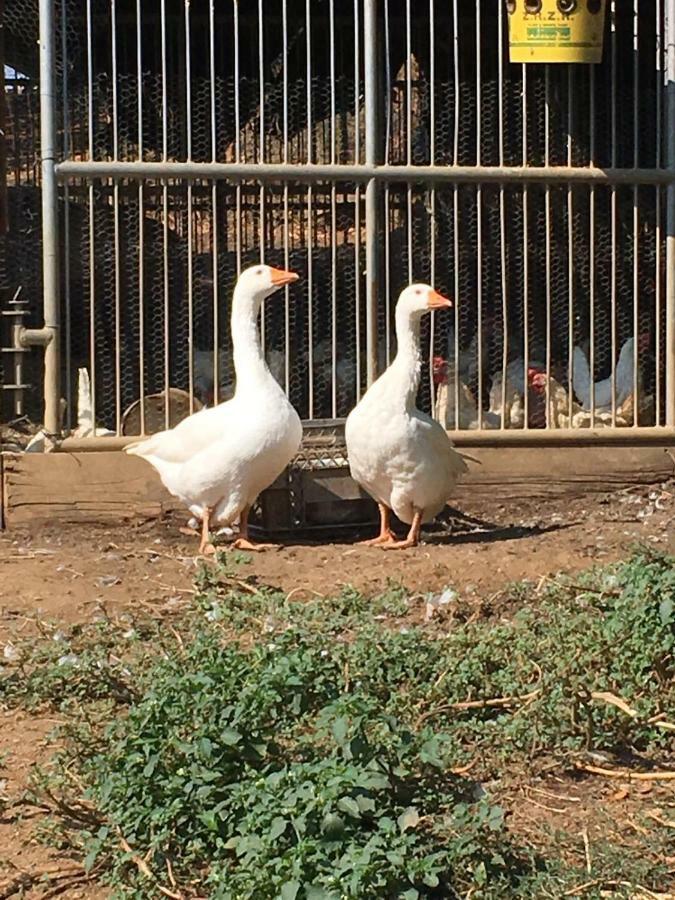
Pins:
<point x="559" y="289"/>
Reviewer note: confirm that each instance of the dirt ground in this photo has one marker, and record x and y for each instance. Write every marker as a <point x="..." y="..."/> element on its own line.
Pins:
<point x="72" y="573"/>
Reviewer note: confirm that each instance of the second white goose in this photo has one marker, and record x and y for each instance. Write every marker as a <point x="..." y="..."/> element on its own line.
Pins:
<point x="400" y="455"/>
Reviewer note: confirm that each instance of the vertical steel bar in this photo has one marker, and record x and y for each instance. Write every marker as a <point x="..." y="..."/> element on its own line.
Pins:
<point x="261" y="156"/>
<point x="637" y="398"/>
<point x="190" y="273"/>
<point x="526" y="261"/>
<point x="670" y="227"/>
<point x="287" y="307"/>
<point x="116" y="226"/>
<point x="90" y="192"/>
<point x="432" y="193"/>
<point x="357" y="200"/>
<point x="387" y="190"/>
<point x="591" y="350"/>
<point x="50" y="221"/>
<point x="165" y="224"/>
<point x="214" y="207"/>
<point x="333" y="215"/>
<point x="455" y="203"/>
<point x="141" y="218"/>
<point x="66" y="215"/>
<point x="547" y="238"/>
<point x="657" y="214"/>
<point x="408" y="135"/>
<point x="502" y="213"/>
<point x="310" y="215"/>
<point x="570" y="249"/>
<point x="370" y="27"/>
<point x="479" y="223"/>
<point x="613" y="37"/>
<point x="237" y="131"/>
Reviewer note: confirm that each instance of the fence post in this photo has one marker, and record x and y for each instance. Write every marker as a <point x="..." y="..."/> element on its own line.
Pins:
<point x="50" y="222"/>
<point x="372" y="204"/>
<point x="670" y="219"/>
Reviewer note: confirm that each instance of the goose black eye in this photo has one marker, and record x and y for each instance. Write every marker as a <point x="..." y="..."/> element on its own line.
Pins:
<point x="418" y="291"/>
<point x="258" y="271"/>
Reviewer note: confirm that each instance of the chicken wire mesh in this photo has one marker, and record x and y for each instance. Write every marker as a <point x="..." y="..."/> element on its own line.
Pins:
<point x="148" y="265"/>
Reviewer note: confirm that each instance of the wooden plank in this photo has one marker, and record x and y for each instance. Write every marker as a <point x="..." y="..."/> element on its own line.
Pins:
<point x="113" y="486"/>
<point x="81" y="487"/>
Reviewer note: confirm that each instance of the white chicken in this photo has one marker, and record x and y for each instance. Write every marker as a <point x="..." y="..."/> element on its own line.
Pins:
<point x="445" y="407"/>
<point x="602" y="390"/>
<point x="85" y="415"/>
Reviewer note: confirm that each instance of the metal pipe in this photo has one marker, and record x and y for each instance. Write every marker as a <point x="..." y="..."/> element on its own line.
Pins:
<point x="50" y="221"/>
<point x="515" y="438"/>
<point x="370" y="171"/>
<point x="670" y="222"/>
<point x="372" y="211"/>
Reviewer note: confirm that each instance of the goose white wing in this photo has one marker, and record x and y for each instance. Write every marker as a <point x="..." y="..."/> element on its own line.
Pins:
<point x="189" y="437"/>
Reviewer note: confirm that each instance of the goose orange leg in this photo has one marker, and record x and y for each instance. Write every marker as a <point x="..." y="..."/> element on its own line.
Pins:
<point x="413" y="538"/>
<point x="206" y="548"/>
<point x="386" y="535"/>
<point x="243" y="542"/>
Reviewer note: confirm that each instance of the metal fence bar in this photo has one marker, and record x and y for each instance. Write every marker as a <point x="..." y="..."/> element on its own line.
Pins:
<point x="370" y="27"/>
<point x="66" y="224"/>
<point x="310" y="215"/>
<point x="636" y="216"/>
<point x="658" y="401"/>
<point x="116" y="225"/>
<point x="165" y="222"/>
<point x="50" y="222"/>
<point x="572" y="437"/>
<point x="214" y="206"/>
<point x="141" y="220"/>
<point x="367" y="172"/>
<point x="90" y="211"/>
<point x="357" y="196"/>
<point x="670" y="226"/>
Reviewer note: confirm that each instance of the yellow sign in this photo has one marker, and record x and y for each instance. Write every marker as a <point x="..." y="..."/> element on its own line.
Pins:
<point x="556" y="31"/>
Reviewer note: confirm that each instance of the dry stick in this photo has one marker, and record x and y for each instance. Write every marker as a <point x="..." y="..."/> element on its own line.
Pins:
<point x="144" y="869"/>
<point x="646" y="893"/>
<point x="587" y="850"/>
<point x="630" y="776"/>
<point x="479" y="704"/>
<point x="613" y="700"/>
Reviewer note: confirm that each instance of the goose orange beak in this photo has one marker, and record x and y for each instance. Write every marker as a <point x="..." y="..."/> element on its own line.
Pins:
<point x="438" y="301"/>
<point x="281" y="276"/>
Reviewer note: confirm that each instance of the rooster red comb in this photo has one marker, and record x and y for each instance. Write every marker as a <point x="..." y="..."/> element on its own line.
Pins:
<point x="440" y="369"/>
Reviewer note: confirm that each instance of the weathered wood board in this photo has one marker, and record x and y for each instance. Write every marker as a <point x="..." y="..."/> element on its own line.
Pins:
<point x="109" y="486"/>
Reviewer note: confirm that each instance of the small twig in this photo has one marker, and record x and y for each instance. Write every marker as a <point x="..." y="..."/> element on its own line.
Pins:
<point x="462" y="770"/>
<point x="667" y="823"/>
<point x="630" y="776"/>
<point x="553" y="796"/>
<point x="493" y="702"/>
<point x="613" y="700"/>
<point x="144" y="869"/>
<point x="587" y="850"/>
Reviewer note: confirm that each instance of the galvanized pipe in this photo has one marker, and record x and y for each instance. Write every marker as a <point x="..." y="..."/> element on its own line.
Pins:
<point x="485" y="438"/>
<point x="50" y="222"/>
<point x="372" y="203"/>
<point x="370" y="171"/>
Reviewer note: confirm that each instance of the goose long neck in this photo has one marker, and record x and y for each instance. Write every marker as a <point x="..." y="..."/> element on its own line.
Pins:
<point x="405" y="369"/>
<point x="249" y="362"/>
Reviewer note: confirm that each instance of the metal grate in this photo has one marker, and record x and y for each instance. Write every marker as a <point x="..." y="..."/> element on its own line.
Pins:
<point x="148" y="263"/>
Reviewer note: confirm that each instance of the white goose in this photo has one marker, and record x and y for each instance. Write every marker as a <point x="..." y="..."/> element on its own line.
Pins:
<point x="219" y="459"/>
<point x="400" y="455"/>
